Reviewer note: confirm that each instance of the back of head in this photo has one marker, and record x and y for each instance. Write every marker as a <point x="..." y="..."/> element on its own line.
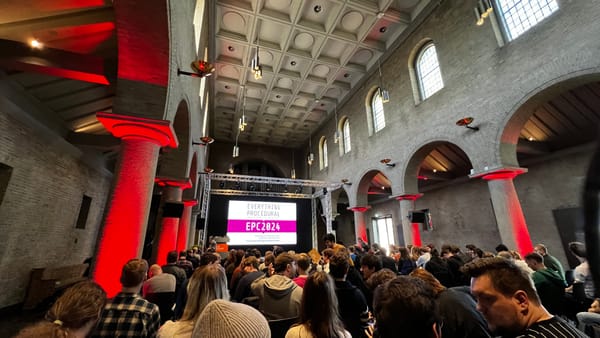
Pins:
<point x="303" y="261"/>
<point x="134" y="272"/>
<point x="172" y="257"/>
<point x="282" y="261"/>
<point x="371" y="261"/>
<point x="578" y="249"/>
<point x="251" y="261"/>
<point x="428" y="278"/>
<point x="380" y="277"/>
<point x="339" y="265"/>
<point x="155" y="269"/>
<point x="205" y="285"/>
<point x="319" y="307"/>
<point x="207" y="258"/>
<point x="505" y="276"/>
<point x="329" y="237"/>
<point x="405" y="305"/>
<point x="224" y="319"/>
<point x="534" y="256"/>
<point x="501" y="247"/>
<point x="78" y="306"/>
<point x="277" y="250"/>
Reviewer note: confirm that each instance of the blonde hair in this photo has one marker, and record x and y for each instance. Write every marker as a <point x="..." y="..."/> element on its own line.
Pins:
<point x="205" y="285"/>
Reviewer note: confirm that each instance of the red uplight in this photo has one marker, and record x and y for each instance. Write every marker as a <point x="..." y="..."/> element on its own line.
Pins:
<point x="409" y="197"/>
<point x="359" y="208"/>
<point x="416" y="234"/>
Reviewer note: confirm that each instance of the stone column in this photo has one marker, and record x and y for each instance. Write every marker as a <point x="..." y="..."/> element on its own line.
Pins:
<point x="173" y="208"/>
<point x="184" y="225"/>
<point x="410" y="231"/>
<point x="507" y="208"/>
<point x="360" y="225"/>
<point x="126" y="215"/>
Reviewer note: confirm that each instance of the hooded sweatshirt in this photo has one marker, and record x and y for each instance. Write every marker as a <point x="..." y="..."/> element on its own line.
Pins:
<point x="279" y="296"/>
<point x="550" y="287"/>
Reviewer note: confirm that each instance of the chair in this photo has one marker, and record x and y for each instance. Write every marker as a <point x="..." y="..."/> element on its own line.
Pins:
<point x="279" y="327"/>
<point x="165" y="302"/>
<point x="569" y="278"/>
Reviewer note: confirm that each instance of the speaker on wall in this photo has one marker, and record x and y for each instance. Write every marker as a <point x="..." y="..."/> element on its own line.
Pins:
<point x="334" y="225"/>
<point x="416" y="216"/>
<point x="172" y="209"/>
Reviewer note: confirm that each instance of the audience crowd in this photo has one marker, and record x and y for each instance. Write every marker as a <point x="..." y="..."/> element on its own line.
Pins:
<point x="359" y="291"/>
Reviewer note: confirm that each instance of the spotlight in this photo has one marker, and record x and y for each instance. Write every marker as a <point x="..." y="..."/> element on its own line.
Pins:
<point x="201" y="69"/>
<point x="299" y="190"/>
<point x="387" y="161"/>
<point x="466" y="122"/>
<point x="208" y="170"/>
<point x="204" y="140"/>
<point x="222" y="184"/>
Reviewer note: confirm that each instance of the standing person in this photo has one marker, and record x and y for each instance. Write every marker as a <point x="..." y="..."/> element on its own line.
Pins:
<point x="172" y="268"/>
<point x="319" y="310"/>
<point x="549" y="261"/>
<point x="507" y="299"/>
<point x="128" y="314"/>
<point x="206" y="284"/>
<point x="330" y="242"/>
<point x="74" y="314"/>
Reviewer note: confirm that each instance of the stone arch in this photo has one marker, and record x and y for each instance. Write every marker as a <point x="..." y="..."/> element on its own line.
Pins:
<point x="410" y="172"/>
<point x="362" y="187"/>
<point x="175" y="163"/>
<point x="509" y="131"/>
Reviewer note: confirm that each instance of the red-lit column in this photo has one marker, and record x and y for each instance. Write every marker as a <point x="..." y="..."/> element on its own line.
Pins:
<point x="121" y="237"/>
<point x="507" y="208"/>
<point x="184" y="225"/>
<point x="168" y="231"/>
<point x="410" y="231"/>
<point x="360" y="226"/>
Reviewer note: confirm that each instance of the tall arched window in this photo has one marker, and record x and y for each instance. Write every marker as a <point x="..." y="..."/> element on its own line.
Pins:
<point x="428" y="71"/>
<point x="346" y="136"/>
<point x="377" y="111"/>
<point x="323" y="163"/>
<point x="519" y="16"/>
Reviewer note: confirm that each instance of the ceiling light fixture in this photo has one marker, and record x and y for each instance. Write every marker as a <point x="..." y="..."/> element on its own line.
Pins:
<point x="336" y="134"/>
<point x="466" y="122"/>
<point x="35" y="43"/>
<point x="204" y="140"/>
<point x="385" y="95"/>
<point x="236" y="148"/>
<point x="208" y="170"/>
<point x="482" y="11"/>
<point x="243" y="123"/>
<point x="311" y="156"/>
<point x="383" y="29"/>
<point x="293" y="171"/>
<point x="318" y="9"/>
<point x="256" y="67"/>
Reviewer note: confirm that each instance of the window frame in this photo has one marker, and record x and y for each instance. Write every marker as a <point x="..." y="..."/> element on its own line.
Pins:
<point x="346" y="140"/>
<point x="422" y="77"/>
<point x="506" y="31"/>
<point x="376" y="98"/>
<point x="323" y="156"/>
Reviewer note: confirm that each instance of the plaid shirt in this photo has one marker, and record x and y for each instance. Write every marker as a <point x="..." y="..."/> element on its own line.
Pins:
<point x="128" y="315"/>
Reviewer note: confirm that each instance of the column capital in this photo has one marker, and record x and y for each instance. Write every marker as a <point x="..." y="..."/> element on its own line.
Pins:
<point x="499" y="173"/>
<point x="183" y="183"/>
<point x="408" y="197"/>
<point x="190" y="203"/>
<point x="124" y="126"/>
<point x="359" y="208"/>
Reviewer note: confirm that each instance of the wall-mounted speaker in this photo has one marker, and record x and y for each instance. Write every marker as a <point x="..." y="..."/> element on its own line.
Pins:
<point x="172" y="209"/>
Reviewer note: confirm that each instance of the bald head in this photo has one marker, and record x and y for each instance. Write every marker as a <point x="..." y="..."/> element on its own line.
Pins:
<point x="155" y="270"/>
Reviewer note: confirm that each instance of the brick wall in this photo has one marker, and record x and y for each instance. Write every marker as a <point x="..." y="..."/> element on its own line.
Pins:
<point x="41" y="205"/>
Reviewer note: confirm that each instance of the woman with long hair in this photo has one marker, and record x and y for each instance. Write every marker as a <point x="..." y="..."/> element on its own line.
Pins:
<point x="74" y="314"/>
<point x="206" y="284"/>
<point x="319" y="316"/>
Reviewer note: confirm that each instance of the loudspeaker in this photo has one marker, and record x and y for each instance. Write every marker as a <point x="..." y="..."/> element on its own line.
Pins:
<point x="172" y="209"/>
<point x="416" y="216"/>
<point x="334" y="225"/>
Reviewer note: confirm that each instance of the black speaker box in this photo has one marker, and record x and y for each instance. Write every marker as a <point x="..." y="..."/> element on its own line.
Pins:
<point x="172" y="209"/>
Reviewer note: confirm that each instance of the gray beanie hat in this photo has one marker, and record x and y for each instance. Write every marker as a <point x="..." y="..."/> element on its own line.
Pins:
<point x="224" y="319"/>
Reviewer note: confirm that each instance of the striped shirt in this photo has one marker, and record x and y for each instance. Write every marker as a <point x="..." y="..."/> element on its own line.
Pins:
<point x="551" y="328"/>
<point x="128" y="315"/>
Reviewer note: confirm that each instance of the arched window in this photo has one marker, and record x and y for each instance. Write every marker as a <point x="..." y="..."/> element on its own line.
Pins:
<point x="377" y="111"/>
<point x="428" y="71"/>
<point x="519" y="16"/>
<point x="323" y="163"/>
<point x="346" y="136"/>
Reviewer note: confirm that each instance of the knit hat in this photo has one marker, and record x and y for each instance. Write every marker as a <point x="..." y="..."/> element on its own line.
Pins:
<point x="224" y="319"/>
<point x="578" y="249"/>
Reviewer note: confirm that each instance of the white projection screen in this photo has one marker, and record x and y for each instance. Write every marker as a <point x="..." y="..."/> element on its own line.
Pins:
<point x="261" y="223"/>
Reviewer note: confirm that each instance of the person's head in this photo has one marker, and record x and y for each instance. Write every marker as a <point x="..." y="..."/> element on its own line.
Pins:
<point x="447" y="251"/>
<point x="277" y="250"/>
<point x="329" y="240"/>
<point x="134" y="273"/>
<point x="369" y="264"/>
<point x="501" y="247"/>
<point x="74" y="314"/>
<point x="505" y="294"/>
<point x="327" y="254"/>
<point x="319" y="307"/>
<point x="155" y="270"/>
<point x="578" y="249"/>
<point x="226" y="319"/>
<point x="250" y="264"/>
<point x="541" y="249"/>
<point x="380" y="277"/>
<point x="407" y="305"/>
<point x="303" y="263"/>
<point x="535" y="261"/>
<point x="339" y="265"/>
<point x="404" y="253"/>
<point x="172" y="257"/>
<point x="204" y="286"/>
<point x="505" y="255"/>
<point x="208" y="258"/>
<point x="285" y="265"/>
<point x="428" y="278"/>
<point x="182" y="255"/>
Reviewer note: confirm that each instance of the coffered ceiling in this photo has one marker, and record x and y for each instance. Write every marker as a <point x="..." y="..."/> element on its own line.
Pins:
<point x="313" y="53"/>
